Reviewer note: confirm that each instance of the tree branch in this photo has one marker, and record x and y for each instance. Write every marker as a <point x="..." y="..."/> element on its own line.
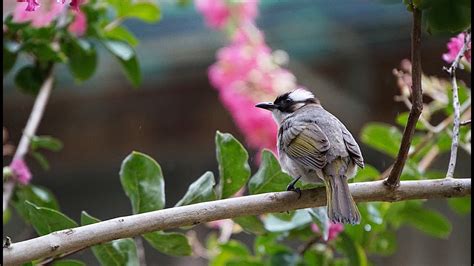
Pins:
<point x="393" y="179"/>
<point x="133" y="225"/>
<point x="456" y="106"/>
<point x="29" y="131"/>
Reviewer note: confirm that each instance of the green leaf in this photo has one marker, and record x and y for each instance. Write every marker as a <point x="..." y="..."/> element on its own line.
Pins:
<point x="43" y="162"/>
<point x="200" y="190"/>
<point x="82" y="58"/>
<point x="145" y="11"/>
<point x="461" y="206"/>
<point x="447" y="16"/>
<point x="352" y="250"/>
<point x="384" y="243"/>
<point x="7" y="214"/>
<point x="170" y="243"/>
<point x="382" y="137"/>
<point x="269" y="177"/>
<point x="46" y="220"/>
<point x="46" y="142"/>
<point x="402" y="120"/>
<point x="142" y="181"/>
<point x="251" y="224"/>
<point x="320" y="218"/>
<point x="43" y="50"/>
<point x="229" y="251"/>
<point x="117" y="252"/>
<point x="127" y="58"/>
<point x="274" y="224"/>
<point x="10" y="53"/>
<point x="267" y="244"/>
<point x="284" y="259"/>
<point x="428" y="221"/>
<point x="368" y="173"/>
<point x="234" y="169"/>
<point x="68" y="263"/>
<point x="29" y="79"/>
<point x="38" y="195"/>
<point x="122" y="34"/>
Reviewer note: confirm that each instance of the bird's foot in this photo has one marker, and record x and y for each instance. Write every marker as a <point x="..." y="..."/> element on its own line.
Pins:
<point x="291" y="187"/>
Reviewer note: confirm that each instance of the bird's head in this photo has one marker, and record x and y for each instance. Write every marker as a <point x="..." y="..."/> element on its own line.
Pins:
<point x="288" y="103"/>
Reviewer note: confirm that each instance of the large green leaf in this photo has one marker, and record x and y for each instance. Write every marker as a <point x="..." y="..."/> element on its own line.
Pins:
<point x="142" y="181"/>
<point x="229" y="251"/>
<point x="114" y="253"/>
<point x="29" y="79"/>
<point x="40" y="196"/>
<point x="460" y="205"/>
<point x="382" y="137"/>
<point x="352" y="250"/>
<point x="251" y="224"/>
<point x="269" y="177"/>
<point x="145" y="11"/>
<point x="127" y="58"/>
<point x="170" y="243"/>
<point x="384" y="243"/>
<point x="368" y="173"/>
<point x="447" y="16"/>
<point x="402" y="120"/>
<point x="428" y="221"/>
<point x="123" y="34"/>
<point x="274" y="224"/>
<point x="200" y="190"/>
<point x="234" y="169"/>
<point x="285" y="259"/>
<point x="10" y="53"/>
<point x="267" y="244"/>
<point x="82" y="58"/>
<point x="46" y="220"/>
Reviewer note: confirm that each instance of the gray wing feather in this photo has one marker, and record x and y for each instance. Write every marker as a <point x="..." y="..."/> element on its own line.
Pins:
<point x="352" y="147"/>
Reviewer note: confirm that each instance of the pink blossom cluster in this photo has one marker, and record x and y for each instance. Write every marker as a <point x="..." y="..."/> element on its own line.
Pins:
<point x="246" y="71"/>
<point x="454" y="46"/>
<point x="218" y="13"/>
<point x="21" y="171"/>
<point x="33" y="4"/>
<point x="48" y="12"/>
<point x="334" y="230"/>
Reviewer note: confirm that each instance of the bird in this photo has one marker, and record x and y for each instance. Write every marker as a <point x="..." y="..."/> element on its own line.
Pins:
<point x="315" y="146"/>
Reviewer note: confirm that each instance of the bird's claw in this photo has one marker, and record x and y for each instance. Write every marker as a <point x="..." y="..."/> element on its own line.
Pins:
<point x="291" y="187"/>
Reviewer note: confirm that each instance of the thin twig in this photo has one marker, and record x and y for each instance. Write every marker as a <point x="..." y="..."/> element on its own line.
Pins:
<point x="29" y="131"/>
<point x="140" y="251"/>
<point x="393" y="179"/>
<point x="307" y="245"/>
<point x="129" y="226"/>
<point x="465" y="123"/>
<point x="456" y="106"/>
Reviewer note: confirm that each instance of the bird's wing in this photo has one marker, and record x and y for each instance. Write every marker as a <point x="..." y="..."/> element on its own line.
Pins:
<point x="305" y="143"/>
<point x="352" y="147"/>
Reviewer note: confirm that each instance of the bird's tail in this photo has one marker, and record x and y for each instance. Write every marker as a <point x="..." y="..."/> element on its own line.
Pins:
<point x="341" y="205"/>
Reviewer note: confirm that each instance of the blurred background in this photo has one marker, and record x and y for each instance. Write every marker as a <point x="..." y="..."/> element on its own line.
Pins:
<point x="344" y="52"/>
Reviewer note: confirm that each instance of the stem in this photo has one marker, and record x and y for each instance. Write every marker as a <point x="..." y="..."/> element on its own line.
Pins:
<point x="456" y="106"/>
<point x="393" y="179"/>
<point x="129" y="226"/>
<point x="29" y="131"/>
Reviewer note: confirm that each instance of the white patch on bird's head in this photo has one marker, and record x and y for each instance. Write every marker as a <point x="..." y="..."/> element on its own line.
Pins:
<point x="300" y="95"/>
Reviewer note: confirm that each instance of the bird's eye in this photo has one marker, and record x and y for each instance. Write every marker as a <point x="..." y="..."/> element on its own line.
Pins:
<point x="287" y="100"/>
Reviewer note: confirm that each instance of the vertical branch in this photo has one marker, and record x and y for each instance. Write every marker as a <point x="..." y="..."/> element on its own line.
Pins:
<point x="393" y="179"/>
<point x="456" y="106"/>
<point x="29" y="131"/>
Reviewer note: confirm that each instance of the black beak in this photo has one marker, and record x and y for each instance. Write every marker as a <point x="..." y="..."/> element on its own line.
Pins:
<point x="268" y="106"/>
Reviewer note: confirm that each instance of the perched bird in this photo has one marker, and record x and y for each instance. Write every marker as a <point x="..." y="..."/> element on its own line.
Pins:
<point x="315" y="146"/>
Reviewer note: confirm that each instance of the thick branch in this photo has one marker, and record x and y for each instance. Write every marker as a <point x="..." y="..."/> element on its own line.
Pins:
<point x="29" y="131"/>
<point x="456" y="106"/>
<point x="130" y="226"/>
<point x="417" y="99"/>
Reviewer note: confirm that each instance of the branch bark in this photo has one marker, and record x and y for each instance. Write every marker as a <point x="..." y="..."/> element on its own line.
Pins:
<point x="456" y="106"/>
<point x="29" y="131"/>
<point x="393" y="179"/>
<point x="133" y="225"/>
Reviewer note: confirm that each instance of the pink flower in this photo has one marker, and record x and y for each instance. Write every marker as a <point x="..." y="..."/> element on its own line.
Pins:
<point x="79" y="25"/>
<point x="41" y="17"/>
<point x="21" y="171"/>
<point x="31" y="6"/>
<point x="454" y="46"/>
<point x="334" y="230"/>
<point x="75" y="4"/>
<point x="217" y="13"/>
